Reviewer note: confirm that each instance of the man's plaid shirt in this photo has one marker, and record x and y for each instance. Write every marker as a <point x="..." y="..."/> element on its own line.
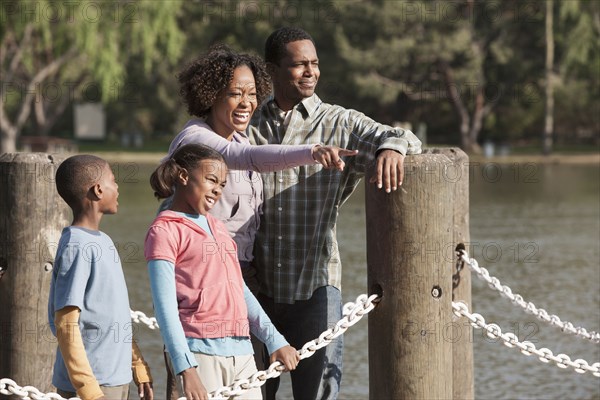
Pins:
<point x="296" y="249"/>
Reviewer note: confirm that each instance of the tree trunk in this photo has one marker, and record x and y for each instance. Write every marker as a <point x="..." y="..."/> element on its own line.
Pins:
<point x="8" y="139"/>
<point x="549" y="117"/>
<point x="470" y="126"/>
<point x="9" y="131"/>
<point x="465" y="137"/>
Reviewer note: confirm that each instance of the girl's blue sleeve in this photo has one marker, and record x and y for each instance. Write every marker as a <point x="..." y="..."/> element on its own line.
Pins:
<point x="164" y="296"/>
<point x="261" y="325"/>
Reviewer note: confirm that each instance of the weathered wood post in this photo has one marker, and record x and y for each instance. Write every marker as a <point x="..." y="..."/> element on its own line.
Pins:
<point x="461" y="334"/>
<point x="32" y="216"/>
<point x="411" y="238"/>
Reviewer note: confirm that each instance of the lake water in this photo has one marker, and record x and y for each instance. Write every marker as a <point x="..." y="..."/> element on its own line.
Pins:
<point x="535" y="227"/>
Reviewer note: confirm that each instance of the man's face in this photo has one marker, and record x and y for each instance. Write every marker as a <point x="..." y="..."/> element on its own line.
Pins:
<point x="296" y="76"/>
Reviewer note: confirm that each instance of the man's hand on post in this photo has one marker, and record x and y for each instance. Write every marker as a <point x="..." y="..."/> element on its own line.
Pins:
<point x="390" y="170"/>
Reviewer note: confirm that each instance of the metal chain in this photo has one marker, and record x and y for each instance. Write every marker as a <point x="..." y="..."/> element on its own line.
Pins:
<point x="8" y="387"/>
<point x="138" y="316"/>
<point x="493" y="331"/>
<point x="529" y="307"/>
<point x="352" y="311"/>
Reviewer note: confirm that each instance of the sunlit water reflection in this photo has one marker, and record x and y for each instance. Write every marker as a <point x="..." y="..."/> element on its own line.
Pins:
<point x="535" y="227"/>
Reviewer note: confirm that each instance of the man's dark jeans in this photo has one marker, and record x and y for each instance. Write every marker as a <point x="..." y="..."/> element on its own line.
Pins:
<point x="319" y="376"/>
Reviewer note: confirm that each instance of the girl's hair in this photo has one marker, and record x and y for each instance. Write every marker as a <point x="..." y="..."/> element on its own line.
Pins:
<point x="201" y="81"/>
<point x="187" y="157"/>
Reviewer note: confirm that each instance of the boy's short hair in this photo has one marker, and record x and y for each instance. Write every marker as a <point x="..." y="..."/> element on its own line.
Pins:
<point x="276" y="42"/>
<point x="76" y="175"/>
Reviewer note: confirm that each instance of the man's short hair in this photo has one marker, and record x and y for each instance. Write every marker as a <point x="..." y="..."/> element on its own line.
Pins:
<point x="76" y="175"/>
<point x="276" y="42"/>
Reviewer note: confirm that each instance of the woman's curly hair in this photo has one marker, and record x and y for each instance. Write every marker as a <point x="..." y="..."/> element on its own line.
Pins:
<point x="202" y="80"/>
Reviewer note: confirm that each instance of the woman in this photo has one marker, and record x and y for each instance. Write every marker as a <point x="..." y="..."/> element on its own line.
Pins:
<point x="221" y="90"/>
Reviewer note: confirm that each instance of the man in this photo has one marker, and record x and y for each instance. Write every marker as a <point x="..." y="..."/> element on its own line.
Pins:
<point x="296" y="250"/>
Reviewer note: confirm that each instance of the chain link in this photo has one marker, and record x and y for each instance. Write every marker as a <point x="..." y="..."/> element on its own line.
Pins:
<point x="545" y="355"/>
<point x="8" y="387"/>
<point x="138" y="316"/>
<point x="352" y="311"/>
<point x="529" y="307"/>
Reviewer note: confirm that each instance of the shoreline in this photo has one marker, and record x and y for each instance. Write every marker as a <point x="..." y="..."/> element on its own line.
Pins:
<point x="566" y="159"/>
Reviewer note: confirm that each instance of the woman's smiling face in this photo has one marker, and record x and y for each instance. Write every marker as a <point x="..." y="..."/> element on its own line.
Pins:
<point x="235" y="104"/>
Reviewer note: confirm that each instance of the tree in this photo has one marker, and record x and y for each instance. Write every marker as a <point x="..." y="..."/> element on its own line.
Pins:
<point x="549" y="115"/>
<point x="53" y="53"/>
<point x="433" y="52"/>
<point x="577" y="35"/>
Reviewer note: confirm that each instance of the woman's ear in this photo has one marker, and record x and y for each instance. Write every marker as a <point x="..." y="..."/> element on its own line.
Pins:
<point x="183" y="176"/>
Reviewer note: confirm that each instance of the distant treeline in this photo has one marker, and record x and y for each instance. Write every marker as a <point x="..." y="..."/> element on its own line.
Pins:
<point x="457" y="72"/>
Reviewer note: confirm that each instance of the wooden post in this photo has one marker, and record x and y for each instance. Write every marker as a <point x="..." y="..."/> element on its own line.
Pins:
<point x="32" y="216"/>
<point x="411" y="238"/>
<point x="463" y="386"/>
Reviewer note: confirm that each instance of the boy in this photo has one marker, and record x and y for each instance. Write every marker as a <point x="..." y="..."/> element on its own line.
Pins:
<point x="88" y="308"/>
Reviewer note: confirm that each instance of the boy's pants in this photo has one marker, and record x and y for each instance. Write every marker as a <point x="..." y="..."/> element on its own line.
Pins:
<point x="110" y="392"/>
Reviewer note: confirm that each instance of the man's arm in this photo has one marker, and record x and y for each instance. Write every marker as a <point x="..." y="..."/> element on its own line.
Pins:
<point x="384" y="137"/>
<point x="385" y="144"/>
<point x="71" y="347"/>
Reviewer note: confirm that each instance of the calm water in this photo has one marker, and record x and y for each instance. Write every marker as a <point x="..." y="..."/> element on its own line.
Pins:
<point x="536" y="228"/>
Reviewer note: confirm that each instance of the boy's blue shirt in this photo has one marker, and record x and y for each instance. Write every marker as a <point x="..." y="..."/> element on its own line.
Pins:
<point x="87" y="274"/>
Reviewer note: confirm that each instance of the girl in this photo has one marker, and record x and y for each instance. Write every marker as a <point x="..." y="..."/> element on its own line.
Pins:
<point x="195" y="274"/>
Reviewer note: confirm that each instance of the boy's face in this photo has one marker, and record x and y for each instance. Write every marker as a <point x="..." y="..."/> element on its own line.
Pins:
<point x="109" y="191"/>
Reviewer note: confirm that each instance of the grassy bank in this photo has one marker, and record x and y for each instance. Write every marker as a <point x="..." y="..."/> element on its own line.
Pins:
<point x="555" y="158"/>
<point x="154" y="149"/>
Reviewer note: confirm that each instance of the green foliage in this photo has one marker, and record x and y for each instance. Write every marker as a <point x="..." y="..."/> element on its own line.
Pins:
<point x="77" y="51"/>
<point x="387" y="58"/>
<point x="396" y="51"/>
<point x="579" y="23"/>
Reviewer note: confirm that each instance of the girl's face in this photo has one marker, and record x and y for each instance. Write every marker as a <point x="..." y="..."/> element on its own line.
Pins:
<point x="198" y="190"/>
<point x="234" y="105"/>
